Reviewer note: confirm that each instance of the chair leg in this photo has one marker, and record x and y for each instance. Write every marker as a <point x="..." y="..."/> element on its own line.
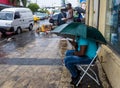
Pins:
<point x="82" y="75"/>
<point x="85" y="72"/>
<point x="96" y="77"/>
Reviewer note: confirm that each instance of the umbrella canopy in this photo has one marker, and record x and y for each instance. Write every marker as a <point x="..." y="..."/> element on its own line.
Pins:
<point x="72" y="29"/>
<point x="79" y="10"/>
<point x="79" y="29"/>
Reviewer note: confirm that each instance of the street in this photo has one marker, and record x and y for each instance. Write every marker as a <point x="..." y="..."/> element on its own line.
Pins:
<point x="30" y="60"/>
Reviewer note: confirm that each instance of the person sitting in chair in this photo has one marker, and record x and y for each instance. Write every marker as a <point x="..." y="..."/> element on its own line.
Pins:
<point x="84" y="53"/>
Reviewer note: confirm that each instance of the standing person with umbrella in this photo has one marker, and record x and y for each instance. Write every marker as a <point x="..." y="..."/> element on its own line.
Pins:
<point x="77" y="16"/>
<point x="79" y="10"/>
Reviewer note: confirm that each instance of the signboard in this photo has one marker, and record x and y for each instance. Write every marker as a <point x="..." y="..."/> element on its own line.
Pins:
<point x="6" y="2"/>
<point x="82" y="1"/>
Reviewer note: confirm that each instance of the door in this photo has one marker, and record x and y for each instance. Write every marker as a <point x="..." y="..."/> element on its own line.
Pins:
<point x="23" y="19"/>
<point x="17" y="21"/>
<point x="96" y="13"/>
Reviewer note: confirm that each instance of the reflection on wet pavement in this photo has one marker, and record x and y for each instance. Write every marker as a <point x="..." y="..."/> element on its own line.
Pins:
<point x="31" y="60"/>
<point x="20" y="45"/>
<point x="24" y="42"/>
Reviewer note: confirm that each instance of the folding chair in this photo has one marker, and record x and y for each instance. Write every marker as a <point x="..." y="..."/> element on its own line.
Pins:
<point x="85" y="71"/>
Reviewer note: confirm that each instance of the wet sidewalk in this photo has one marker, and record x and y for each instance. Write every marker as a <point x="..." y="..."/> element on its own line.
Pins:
<point x="33" y="61"/>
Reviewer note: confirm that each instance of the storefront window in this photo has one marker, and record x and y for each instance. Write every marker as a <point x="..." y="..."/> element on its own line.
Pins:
<point x="112" y="32"/>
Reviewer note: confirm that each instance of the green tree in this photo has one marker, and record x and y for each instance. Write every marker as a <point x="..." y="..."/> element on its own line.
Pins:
<point x="24" y="2"/>
<point x="43" y="10"/>
<point x="17" y="2"/>
<point x="12" y="1"/>
<point x="34" y="7"/>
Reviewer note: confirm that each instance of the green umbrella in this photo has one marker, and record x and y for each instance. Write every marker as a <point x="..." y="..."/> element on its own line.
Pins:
<point x="79" y="29"/>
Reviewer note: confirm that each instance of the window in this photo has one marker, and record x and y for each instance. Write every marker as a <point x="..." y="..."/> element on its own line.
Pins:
<point x="6" y="15"/>
<point x="17" y="15"/>
<point x="112" y="30"/>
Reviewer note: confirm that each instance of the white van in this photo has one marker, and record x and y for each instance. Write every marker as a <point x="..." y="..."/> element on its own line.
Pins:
<point x="16" y="19"/>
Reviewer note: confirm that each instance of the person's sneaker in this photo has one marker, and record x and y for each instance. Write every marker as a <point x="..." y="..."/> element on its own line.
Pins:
<point x="75" y="80"/>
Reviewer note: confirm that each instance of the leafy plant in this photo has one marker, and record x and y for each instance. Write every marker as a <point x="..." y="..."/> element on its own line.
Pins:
<point x="24" y="2"/>
<point x="34" y="7"/>
<point x="17" y="2"/>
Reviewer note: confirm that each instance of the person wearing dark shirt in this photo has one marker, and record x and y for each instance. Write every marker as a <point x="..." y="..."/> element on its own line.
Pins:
<point x="61" y="16"/>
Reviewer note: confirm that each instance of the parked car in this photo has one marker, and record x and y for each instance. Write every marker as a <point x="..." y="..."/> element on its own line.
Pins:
<point x="16" y="19"/>
<point x="41" y="16"/>
<point x="46" y="15"/>
<point x="54" y="19"/>
<point x="56" y="12"/>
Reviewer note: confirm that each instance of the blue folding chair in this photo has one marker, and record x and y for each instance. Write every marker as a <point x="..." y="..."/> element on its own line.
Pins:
<point x="85" y="70"/>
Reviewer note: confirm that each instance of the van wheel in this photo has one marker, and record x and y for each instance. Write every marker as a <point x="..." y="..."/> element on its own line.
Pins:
<point x="30" y="27"/>
<point x="19" y="31"/>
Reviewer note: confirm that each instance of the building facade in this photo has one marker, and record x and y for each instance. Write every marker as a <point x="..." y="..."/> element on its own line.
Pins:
<point x="4" y="4"/>
<point x="105" y="15"/>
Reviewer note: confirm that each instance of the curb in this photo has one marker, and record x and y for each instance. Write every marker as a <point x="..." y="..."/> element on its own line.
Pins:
<point x="102" y="76"/>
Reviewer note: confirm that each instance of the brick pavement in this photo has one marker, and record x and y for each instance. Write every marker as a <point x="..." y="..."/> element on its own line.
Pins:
<point x="35" y="65"/>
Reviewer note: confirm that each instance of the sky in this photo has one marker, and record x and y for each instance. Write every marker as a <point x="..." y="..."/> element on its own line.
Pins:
<point x="43" y="3"/>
